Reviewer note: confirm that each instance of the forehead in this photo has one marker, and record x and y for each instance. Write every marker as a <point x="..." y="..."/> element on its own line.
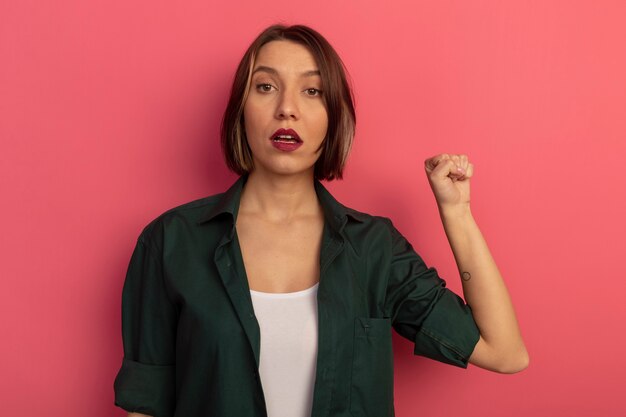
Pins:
<point x="285" y="57"/>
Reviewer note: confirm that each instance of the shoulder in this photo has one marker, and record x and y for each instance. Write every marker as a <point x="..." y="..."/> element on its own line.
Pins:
<point x="376" y="236"/>
<point x="181" y="216"/>
<point x="374" y="224"/>
<point x="352" y="218"/>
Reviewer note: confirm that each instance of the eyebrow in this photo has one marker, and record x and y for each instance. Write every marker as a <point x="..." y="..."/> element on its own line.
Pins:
<point x="272" y="71"/>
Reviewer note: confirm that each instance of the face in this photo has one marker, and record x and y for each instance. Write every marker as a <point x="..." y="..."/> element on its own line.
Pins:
<point x="285" y="92"/>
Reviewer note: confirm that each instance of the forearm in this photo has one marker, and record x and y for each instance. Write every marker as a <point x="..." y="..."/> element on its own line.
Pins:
<point x="484" y="289"/>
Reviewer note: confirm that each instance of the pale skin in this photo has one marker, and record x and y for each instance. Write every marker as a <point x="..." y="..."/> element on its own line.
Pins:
<point x="280" y="220"/>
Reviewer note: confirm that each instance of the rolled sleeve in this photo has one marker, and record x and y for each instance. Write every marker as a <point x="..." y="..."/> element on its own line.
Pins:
<point x="424" y="311"/>
<point x="146" y="381"/>
<point x="145" y="389"/>
<point x="449" y="333"/>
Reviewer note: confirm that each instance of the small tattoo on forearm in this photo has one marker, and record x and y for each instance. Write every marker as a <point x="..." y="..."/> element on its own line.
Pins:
<point x="466" y="276"/>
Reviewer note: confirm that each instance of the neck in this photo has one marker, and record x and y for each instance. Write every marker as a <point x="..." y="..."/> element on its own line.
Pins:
<point x="279" y="198"/>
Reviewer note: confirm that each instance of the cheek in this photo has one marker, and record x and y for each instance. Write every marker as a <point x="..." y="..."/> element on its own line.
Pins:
<point x="250" y="116"/>
<point x="254" y="114"/>
<point x="324" y="124"/>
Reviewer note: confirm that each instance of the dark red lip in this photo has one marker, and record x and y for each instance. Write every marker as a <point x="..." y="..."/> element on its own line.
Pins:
<point x="290" y="132"/>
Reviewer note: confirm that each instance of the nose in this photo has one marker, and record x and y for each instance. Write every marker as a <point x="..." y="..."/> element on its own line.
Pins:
<point x="287" y="106"/>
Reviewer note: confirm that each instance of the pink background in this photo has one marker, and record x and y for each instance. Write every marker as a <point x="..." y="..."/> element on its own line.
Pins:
<point x="109" y="115"/>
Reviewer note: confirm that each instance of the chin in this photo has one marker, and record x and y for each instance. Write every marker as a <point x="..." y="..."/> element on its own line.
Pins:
<point x="285" y="167"/>
<point x="289" y="171"/>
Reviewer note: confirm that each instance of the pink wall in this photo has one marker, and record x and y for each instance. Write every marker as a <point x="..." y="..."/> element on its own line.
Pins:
<point x="109" y="113"/>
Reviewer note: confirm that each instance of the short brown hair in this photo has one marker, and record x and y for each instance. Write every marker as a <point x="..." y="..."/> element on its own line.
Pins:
<point x="338" y="100"/>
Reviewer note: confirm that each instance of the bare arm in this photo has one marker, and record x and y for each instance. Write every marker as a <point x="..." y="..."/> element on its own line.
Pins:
<point x="500" y="347"/>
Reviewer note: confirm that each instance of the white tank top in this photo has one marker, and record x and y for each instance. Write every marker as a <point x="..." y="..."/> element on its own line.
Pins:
<point x="288" y="323"/>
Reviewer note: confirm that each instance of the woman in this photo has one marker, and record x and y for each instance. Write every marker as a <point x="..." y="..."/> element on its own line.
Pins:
<point x="275" y="299"/>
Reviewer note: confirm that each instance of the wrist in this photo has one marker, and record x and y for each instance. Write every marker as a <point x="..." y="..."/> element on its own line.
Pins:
<point x="455" y="211"/>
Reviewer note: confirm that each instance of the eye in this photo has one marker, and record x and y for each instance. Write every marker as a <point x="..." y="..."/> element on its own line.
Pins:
<point x="313" y="92"/>
<point x="264" y="87"/>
